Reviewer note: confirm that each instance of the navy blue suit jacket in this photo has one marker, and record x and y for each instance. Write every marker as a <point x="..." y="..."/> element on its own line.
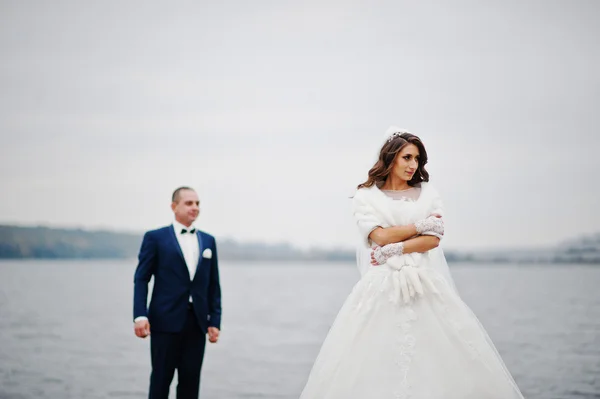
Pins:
<point x="160" y="256"/>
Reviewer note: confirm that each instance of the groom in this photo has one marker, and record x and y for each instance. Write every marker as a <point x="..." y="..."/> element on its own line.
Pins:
<point x="186" y="298"/>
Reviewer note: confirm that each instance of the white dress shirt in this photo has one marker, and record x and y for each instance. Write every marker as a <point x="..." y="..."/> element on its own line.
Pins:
<point x="190" y="248"/>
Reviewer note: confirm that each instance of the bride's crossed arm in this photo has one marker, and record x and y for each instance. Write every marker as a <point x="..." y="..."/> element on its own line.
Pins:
<point x="389" y="235"/>
<point x="420" y="244"/>
<point x="407" y="235"/>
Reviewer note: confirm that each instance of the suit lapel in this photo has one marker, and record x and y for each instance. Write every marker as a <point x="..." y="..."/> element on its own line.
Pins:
<point x="200" y="249"/>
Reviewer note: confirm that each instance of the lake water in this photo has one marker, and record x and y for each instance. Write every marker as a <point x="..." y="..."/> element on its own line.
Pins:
<point x="66" y="329"/>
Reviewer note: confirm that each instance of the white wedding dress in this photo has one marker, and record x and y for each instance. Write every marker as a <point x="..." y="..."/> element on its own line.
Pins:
<point x="404" y="332"/>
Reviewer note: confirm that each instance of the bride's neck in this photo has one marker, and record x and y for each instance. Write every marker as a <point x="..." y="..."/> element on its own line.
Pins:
<point x="395" y="184"/>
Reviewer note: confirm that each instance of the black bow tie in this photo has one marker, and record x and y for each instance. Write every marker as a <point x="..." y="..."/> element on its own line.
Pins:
<point x="192" y="231"/>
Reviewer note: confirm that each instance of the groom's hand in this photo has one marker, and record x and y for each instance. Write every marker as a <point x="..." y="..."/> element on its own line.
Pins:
<point x="213" y="334"/>
<point x="142" y="328"/>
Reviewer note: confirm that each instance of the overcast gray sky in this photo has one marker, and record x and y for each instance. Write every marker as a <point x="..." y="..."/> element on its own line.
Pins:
<point x="274" y="110"/>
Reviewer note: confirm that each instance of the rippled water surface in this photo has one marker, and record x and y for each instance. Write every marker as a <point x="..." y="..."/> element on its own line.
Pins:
<point x="66" y="330"/>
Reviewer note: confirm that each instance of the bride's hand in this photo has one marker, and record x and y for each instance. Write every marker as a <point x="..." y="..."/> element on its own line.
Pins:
<point x="380" y="255"/>
<point x="373" y="260"/>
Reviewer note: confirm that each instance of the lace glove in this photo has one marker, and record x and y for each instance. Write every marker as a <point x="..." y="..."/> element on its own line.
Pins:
<point x="382" y="254"/>
<point x="432" y="225"/>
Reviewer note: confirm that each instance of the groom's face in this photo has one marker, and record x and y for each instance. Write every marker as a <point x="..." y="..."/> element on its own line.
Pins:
<point x="187" y="207"/>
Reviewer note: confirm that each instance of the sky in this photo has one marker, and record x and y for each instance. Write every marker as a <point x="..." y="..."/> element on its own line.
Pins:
<point x="274" y="112"/>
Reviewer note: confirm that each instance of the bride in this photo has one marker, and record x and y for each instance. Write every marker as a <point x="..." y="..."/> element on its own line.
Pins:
<point x="404" y="332"/>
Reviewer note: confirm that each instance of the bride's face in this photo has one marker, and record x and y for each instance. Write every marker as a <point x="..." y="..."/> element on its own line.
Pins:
<point x="406" y="162"/>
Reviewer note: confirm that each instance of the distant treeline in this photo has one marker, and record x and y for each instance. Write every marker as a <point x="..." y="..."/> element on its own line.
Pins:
<point x="46" y="243"/>
<point x="43" y="242"/>
<point x="18" y="242"/>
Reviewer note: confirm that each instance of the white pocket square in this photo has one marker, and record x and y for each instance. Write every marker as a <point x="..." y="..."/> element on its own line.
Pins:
<point x="207" y="253"/>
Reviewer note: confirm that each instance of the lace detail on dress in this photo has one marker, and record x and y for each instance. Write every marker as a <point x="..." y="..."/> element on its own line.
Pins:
<point x="409" y="195"/>
<point x="402" y="198"/>
<point x="406" y="350"/>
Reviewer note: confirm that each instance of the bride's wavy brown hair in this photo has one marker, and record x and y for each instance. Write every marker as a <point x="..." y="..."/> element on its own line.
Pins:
<point x="384" y="165"/>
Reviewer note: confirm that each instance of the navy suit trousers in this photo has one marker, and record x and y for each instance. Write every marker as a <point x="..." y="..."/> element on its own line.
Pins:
<point x="182" y="351"/>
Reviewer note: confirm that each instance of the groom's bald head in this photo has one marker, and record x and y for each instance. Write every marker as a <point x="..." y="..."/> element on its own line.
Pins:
<point x="177" y="193"/>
